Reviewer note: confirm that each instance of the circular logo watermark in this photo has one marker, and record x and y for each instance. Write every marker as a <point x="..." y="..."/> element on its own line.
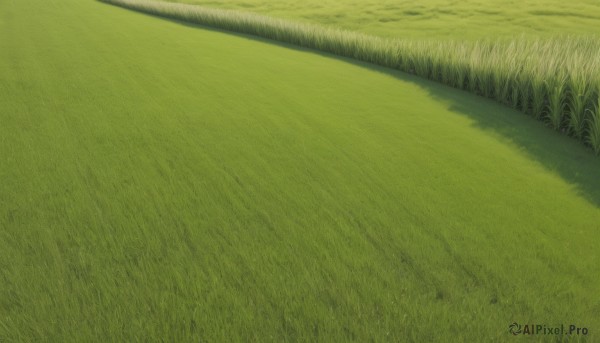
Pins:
<point x="514" y="328"/>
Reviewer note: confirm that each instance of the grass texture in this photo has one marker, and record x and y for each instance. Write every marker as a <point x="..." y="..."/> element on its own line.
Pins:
<point x="555" y="80"/>
<point x="165" y="183"/>
<point x="432" y="19"/>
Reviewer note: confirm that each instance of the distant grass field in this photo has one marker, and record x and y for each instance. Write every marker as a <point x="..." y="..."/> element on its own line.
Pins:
<point x="433" y="19"/>
<point x="162" y="182"/>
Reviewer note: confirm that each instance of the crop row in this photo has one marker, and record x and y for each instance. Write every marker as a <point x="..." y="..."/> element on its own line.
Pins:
<point x="555" y="80"/>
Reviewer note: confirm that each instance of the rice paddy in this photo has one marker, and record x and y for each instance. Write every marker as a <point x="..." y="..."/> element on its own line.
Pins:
<point x="163" y="181"/>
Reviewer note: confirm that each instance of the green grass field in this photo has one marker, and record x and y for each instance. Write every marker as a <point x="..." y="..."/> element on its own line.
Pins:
<point x="433" y="19"/>
<point x="167" y="182"/>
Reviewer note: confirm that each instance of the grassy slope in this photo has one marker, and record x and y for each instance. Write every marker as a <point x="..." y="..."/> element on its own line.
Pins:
<point x="470" y="19"/>
<point x="555" y="80"/>
<point x="163" y="181"/>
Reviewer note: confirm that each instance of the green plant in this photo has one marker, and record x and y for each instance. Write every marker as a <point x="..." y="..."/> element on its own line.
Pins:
<point x="556" y="100"/>
<point x="538" y="96"/>
<point x="581" y="94"/>
<point x="593" y="138"/>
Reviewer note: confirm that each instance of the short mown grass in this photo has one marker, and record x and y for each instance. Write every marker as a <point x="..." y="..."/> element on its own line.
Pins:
<point x="553" y="79"/>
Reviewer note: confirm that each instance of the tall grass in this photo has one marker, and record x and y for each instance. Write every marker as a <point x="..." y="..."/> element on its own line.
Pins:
<point x="554" y="80"/>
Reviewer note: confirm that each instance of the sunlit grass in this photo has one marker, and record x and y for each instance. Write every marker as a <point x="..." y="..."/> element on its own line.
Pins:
<point x="542" y="75"/>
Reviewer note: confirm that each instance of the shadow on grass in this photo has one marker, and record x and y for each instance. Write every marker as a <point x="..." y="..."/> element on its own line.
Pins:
<point x="565" y="156"/>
